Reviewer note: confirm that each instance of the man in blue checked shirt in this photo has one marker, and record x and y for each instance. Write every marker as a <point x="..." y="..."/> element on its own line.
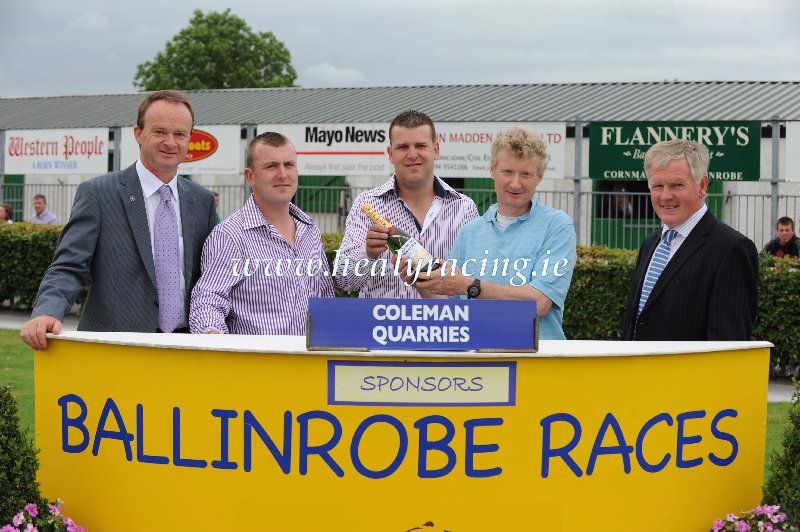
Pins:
<point x="519" y="249"/>
<point x="262" y="263"/>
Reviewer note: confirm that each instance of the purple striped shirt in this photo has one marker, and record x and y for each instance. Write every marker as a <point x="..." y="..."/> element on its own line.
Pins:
<point x="273" y="298"/>
<point x="437" y="236"/>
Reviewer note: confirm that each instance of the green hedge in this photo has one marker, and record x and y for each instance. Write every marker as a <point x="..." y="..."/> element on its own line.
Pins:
<point x="778" y="307"/>
<point x="598" y="293"/>
<point x="595" y="304"/>
<point x="18" y="461"/>
<point x="26" y="250"/>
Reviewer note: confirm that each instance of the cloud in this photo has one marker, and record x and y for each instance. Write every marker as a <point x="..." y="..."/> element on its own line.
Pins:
<point x="89" y="21"/>
<point x="327" y="73"/>
<point x="147" y="30"/>
<point x="310" y="32"/>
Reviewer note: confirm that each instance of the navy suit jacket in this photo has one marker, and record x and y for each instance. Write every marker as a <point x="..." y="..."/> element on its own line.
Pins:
<point x="708" y="290"/>
<point x="107" y="240"/>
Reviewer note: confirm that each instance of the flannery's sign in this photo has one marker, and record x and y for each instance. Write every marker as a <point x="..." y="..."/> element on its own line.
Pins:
<point x="616" y="149"/>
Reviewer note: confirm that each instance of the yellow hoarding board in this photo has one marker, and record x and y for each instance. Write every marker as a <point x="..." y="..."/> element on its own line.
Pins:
<point x="155" y="438"/>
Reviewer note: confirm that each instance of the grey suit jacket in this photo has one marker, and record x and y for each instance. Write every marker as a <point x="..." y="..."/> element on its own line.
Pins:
<point x="107" y="240"/>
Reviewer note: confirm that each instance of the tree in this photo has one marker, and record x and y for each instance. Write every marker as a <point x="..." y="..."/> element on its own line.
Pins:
<point x="218" y="51"/>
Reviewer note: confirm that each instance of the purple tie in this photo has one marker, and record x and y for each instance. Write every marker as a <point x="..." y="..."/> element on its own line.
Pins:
<point x="168" y="272"/>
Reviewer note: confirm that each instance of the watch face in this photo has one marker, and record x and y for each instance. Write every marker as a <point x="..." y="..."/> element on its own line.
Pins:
<point x="473" y="291"/>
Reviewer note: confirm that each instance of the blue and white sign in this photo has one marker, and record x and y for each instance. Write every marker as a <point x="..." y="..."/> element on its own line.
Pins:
<point x="422" y="324"/>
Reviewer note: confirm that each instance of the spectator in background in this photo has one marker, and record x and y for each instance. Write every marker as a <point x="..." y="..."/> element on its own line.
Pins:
<point x="695" y="278"/>
<point x="271" y="235"/>
<point x="786" y="243"/>
<point x="216" y="205"/>
<point x="6" y="213"/>
<point x="42" y="216"/>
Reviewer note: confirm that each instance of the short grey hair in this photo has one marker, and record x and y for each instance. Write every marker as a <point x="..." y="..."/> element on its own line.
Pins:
<point x="661" y="154"/>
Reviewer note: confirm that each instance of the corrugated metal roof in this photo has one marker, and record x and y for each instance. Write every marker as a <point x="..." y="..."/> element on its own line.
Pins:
<point x="712" y="100"/>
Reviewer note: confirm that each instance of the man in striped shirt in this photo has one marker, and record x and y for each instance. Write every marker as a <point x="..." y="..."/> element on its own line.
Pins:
<point x="414" y="200"/>
<point x="262" y="263"/>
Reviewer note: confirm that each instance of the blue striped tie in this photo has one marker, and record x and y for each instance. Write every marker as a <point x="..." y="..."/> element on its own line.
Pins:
<point x="657" y="265"/>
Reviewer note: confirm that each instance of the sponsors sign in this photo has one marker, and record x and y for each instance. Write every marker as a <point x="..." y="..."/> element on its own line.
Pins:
<point x="56" y="151"/>
<point x="360" y="149"/>
<point x="616" y="149"/>
<point x="421" y="383"/>
<point x="574" y="433"/>
<point x="212" y="150"/>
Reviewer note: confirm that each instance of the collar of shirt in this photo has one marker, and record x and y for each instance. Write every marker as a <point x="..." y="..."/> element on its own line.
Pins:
<point x="683" y="231"/>
<point x="491" y="213"/>
<point x="686" y="227"/>
<point x="150" y="183"/>
<point x="440" y="188"/>
<point x="253" y="217"/>
<point x="442" y="192"/>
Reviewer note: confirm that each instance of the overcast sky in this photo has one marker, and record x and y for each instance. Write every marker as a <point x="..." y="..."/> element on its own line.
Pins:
<point x="59" y="47"/>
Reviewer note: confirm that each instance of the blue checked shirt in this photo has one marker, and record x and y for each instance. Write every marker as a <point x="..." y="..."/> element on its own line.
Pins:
<point x="540" y="249"/>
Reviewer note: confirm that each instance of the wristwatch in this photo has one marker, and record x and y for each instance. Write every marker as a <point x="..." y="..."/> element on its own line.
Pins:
<point x="474" y="290"/>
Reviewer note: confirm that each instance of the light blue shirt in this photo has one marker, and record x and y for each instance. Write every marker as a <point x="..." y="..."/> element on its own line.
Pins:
<point x="46" y="217"/>
<point x="537" y="249"/>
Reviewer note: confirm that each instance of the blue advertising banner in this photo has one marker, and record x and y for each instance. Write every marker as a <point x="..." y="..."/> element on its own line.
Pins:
<point x="421" y="324"/>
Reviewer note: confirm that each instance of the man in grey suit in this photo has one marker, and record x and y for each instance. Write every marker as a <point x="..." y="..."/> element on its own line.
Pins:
<point x="124" y="233"/>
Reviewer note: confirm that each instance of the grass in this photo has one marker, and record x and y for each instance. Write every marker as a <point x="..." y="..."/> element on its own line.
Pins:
<point x="777" y="417"/>
<point x="16" y="368"/>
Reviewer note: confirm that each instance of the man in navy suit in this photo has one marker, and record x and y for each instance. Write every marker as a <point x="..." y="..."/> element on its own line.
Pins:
<point x="116" y="223"/>
<point x="695" y="278"/>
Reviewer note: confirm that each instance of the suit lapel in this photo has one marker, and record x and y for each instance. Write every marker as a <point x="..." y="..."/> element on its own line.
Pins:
<point x="696" y="239"/>
<point x="130" y="191"/>
<point x="186" y="200"/>
<point x="649" y="248"/>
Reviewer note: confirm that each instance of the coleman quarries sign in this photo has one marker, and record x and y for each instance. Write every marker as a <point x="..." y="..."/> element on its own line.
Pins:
<point x="212" y="150"/>
<point x="56" y="151"/>
<point x="616" y="149"/>
<point x="338" y="149"/>
<point x="436" y="325"/>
